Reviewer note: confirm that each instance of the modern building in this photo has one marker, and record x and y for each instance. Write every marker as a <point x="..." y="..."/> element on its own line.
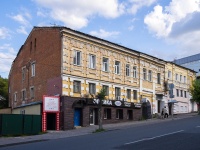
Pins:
<point x="58" y="61"/>
<point x="192" y="62"/>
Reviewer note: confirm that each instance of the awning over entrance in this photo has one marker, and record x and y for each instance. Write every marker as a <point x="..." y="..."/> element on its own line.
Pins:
<point x="172" y="101"/>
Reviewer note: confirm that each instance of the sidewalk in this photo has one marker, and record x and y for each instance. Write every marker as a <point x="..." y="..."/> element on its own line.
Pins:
<point x="6" y="141"/>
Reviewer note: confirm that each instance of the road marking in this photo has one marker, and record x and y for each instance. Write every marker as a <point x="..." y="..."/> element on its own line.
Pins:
<point x="145" y="139"/>
<point x="197" y="126"/>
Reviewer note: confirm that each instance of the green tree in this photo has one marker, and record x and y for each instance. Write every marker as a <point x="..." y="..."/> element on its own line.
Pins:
<point x="195" y="92"/>
<point x="3" y="92"/>
<point x="101" y="96"/>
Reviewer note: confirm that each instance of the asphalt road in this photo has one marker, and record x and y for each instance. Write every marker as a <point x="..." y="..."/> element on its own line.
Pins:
<point x="181" y="134"/>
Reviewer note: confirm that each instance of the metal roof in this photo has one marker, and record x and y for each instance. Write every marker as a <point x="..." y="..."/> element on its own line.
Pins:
<point x="187" y="59"/>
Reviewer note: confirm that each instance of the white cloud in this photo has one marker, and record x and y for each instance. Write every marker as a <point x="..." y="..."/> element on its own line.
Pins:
<point x="104" y="34"/>
<point x="137" y="4"/>
<point x="131" y="28"/>
<point x="20" y="18"/>
<point x="178" y="23"/>
<point x="22" y="30"/>
<point x="76" y="13"/>
<point x="7" y="55"/>
<point x="160" y="20"/>
<point x="4" y="33"/>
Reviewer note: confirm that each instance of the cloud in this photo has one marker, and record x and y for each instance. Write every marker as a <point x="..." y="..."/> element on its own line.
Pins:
<point x="4" y="33"/>
<point x="161" y="20"/>
<point x="22" y="30"/>
<point x="190" y="23"/>
<point x="138" y="4"/>
<point x="178" y="24"/>
<point x="7" y="55"/>
<point x="131" y="28"/>
<point x="23" y="18"/>
<point x="76" y="13"/>
<point x="20" y="18"/>
<point x="104" y="34"/>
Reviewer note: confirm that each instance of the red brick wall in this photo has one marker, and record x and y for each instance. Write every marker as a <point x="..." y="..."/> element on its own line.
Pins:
<point x="46" y="52"/>
<point x="67" y="113"/>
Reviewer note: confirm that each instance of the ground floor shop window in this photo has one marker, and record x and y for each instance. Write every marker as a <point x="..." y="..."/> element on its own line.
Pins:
<point x="107" y="113"/>
<point x="119" y="114"/>
<point x="129" y="114"/>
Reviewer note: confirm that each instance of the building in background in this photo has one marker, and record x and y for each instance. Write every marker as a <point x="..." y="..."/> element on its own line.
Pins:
<point x="191" y="62"/>
<point x="58" y="61"/>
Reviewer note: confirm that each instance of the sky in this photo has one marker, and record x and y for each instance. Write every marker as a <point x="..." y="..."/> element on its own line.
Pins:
<point x="167" y="29"/>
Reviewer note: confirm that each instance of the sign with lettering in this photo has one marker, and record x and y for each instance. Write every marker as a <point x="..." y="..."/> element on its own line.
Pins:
<point x="51" y="103"/>
<point x="138" y="105"/>
<point x="112" y="103"/>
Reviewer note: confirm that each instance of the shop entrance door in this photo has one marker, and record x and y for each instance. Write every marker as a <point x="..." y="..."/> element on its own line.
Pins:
<point x="77" y="117"/>
<point x="92" y="116"/>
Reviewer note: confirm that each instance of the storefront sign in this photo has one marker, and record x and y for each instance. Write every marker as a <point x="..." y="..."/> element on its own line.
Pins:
<point x="51" y="104"/>
<point x="112" y="103"/>
<point x="118" y="103"/>
<point x="138" y="105"/>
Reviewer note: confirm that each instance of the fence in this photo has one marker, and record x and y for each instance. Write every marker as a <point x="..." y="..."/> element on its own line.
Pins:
<point x="17" y="124"/>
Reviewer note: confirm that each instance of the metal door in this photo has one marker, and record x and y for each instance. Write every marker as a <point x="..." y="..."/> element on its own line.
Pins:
<point x="77" y="117"/>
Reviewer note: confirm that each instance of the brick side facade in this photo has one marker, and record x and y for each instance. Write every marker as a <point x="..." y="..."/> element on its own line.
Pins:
<point x="42" y="47"/>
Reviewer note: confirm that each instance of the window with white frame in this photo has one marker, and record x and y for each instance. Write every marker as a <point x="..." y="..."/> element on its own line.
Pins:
<point x="127" y="70"/>
<point x="176" y="77"/>
<point x="117" y="67"/>
<point x="150" y="75"/>
<point x="144" y="74"/>
<point x="184" y="78"/>
<point x="106" y="88"/>
<point x="77" y="57"/>
<point x="23" y="73"/>
<point x="180" y="78"/>
<point x="128" y="93"/>
<point x="92" y="60"/>
<point x="181" y="93"/>
<point x="92" y="88"/>
<point x="23" y="95"/>
<point x="117" y="93"/>
<point x="177" y="92"/>
<point x="33" y="69"/>
<point x="134" y="72"/>
<point x="77" y="86"/>
<point x="15" y="96"/>
<point x="32" y="92"/>
<point x="105" y="64"/>
<point x="158" y="78"/>
<point x="135" y="94"/>
<point x="169" y="74"/>
<point x="185" y="93"/>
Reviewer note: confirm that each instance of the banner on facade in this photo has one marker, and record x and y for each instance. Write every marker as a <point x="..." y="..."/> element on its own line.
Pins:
<point x="51" y="103"/>
<point x="112" y="103"/>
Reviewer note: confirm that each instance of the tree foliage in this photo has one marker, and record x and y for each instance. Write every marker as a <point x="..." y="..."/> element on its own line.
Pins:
<point x="4" y="92"/>
<point x="195" y="91"/>
<point x="101" y="96"/>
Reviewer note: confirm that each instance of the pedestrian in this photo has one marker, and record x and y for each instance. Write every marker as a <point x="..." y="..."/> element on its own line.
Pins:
<point x="162" y="113"/>
<point x="165" y="113"/>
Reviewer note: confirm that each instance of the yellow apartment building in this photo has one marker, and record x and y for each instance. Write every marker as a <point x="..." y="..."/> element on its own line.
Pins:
<point x="75" y="66"/>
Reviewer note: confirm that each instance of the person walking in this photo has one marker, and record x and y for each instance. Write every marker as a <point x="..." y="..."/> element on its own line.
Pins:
<point x="162" y="113"/>
<point x="165" y="112"/>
